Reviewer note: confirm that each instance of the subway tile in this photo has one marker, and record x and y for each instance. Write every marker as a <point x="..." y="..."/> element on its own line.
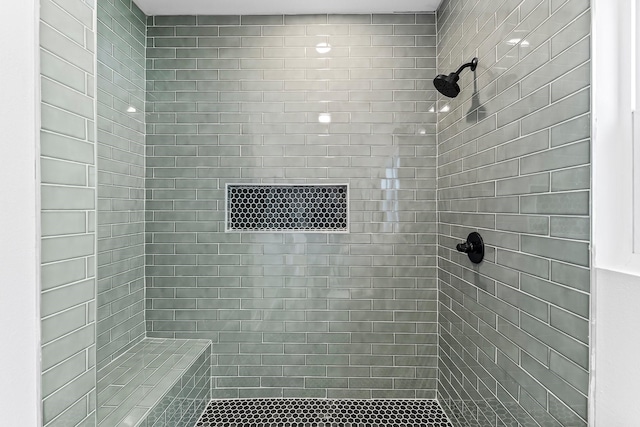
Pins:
<point x="58" y="44"/>
<point x="535" y="409"/>
<point x="561" y="250"/>
<point x="575" y="203"/>
<point x="570" y="372"/>
<point x="523" y="262"/>
<point x="171" y="31"/>
<point x="573" y="32"/>
<point x="305" y="19"/>
<point x="571" y="179"/>
<point x="63" y="323"/>
<point x="63" y="248"/>
<point x="522" y="146"/>
<point x="488" y="203"/>
<point x="567" y="298"/>
<point x="574" y="399"/>
<point x="570" y="227"/>
<point x="67" y="148"/>
<point x="521" y="300"/>
<point x="175" y="20"/>
<point x="61" y="273"/>
<point x="173" y="64"/>
<point x="569" y="60"/>
<point x="533" y="347"/>
<point x="75" y="390"/>
<point x="59" y="350"/>
<point x="63" y="373"/>
<point x="527" y="105"/>
<point x="62" y="122"/>
<point x="561" y="412"/>
<point x="575" y="351"/>
<point x="80" y="11"/>
<point x="570" y="275"/>
<point x="523" y="224"/>
<point x="61" y="298"/>
<point x="214" y="20"/>
<point x="128" y="62"/>
<point x="60" y="71"/>
<point x="562" y="110"/>
<point x="499" y="205"/>
<point x="544" y="69"/>
<point x="577" y="327"/>
<point x="565" y="156"/>
<point x="63" y="222"/>
<point x="524" y="185"/>
<point x="484" y="158"/>
<point x="571" y="130"/>
<point x="571" y="82"/>
<point x="527" y="382"/>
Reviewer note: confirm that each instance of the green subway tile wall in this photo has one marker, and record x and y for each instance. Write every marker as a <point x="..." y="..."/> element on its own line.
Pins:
<point x="68" y="191"/>
<point x="223" y="99"/>
<point x="121" y="138"/>
<point x="238" y="99"/>
<point x="514" y="164"/>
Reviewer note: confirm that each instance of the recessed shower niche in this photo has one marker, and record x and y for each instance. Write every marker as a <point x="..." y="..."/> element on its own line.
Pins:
<point x="292" y="208"/>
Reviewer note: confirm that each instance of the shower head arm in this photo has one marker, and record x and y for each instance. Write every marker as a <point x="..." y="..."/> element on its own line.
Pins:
<point x="448" y="85"/>
<point x="473" y="64"/>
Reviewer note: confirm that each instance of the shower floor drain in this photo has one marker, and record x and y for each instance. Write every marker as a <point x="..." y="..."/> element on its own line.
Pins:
<point x="323" y="413"/>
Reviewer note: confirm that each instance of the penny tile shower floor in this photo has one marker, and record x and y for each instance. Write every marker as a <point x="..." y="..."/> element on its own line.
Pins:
<point x="323" y="413"/>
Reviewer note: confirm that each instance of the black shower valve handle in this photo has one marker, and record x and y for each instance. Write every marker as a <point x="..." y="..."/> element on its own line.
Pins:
<point x="465" y="247"/>
<point x="473" y="247"/>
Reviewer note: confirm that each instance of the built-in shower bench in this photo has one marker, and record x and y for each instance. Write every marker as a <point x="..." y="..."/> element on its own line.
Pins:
<point x="157" y="382"/>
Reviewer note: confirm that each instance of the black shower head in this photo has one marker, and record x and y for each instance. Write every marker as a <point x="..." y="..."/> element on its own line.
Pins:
<point x="448" y="85"/>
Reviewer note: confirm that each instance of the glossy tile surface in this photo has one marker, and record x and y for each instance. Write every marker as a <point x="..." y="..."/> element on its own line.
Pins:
<point x="156" y="382"/>
<point x="513" y="164"/>
<point x="68" y="208"/>
<point x="121" y="133"/>
<point x="296" y="100"/>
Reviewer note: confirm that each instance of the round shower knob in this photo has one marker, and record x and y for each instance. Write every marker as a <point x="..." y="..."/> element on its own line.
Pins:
<point x="473" y="247"/>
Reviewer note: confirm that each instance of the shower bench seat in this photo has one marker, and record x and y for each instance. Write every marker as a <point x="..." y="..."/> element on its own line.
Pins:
<point x="157" y="382"/>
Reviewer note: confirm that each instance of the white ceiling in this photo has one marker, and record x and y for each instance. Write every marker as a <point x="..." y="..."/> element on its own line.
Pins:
<point x="282" y="7"/>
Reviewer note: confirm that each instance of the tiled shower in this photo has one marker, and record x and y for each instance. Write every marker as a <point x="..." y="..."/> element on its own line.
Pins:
<point x="239" y="100"/>
<point x="135" y="243"/>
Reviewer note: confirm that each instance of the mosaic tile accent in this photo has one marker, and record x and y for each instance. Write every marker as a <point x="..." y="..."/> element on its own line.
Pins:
<point x="514" y="165"/>
<point x="303" y="208"/>
<point x="323" y="413"/>
<point x="156" y="382"/>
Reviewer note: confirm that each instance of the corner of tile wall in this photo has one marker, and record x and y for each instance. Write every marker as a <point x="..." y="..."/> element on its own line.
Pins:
<point x="121" y="80"/>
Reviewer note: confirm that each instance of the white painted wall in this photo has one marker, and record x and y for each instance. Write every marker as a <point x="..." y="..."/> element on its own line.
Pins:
<point x="616" y="269"/>
<point x="617" y="348"/>
<point x="19" y="237"/>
